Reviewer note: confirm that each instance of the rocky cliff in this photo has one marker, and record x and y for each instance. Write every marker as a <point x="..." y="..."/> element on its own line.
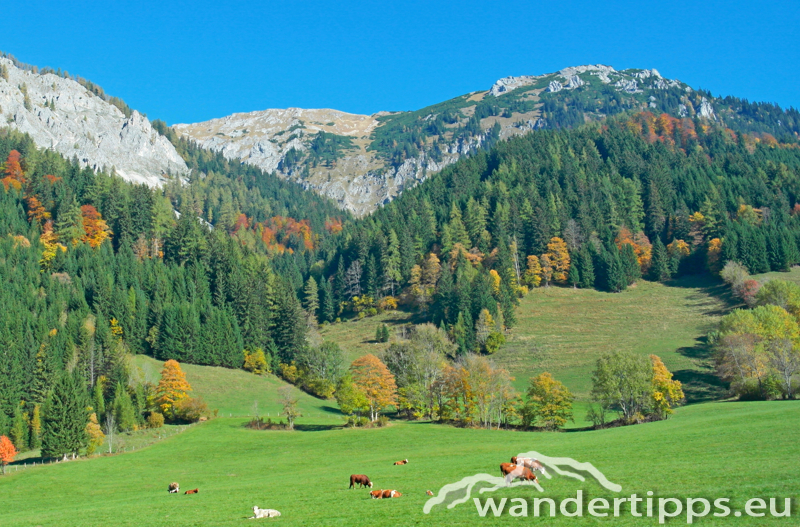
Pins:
<point x="62" y="115"/>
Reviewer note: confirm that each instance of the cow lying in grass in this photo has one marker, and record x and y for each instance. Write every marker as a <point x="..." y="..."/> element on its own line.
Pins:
<point x="193" y="491"/>
<point x="403" y="462"/>
<point x="174" y="488"/>
<point x="264" y="513"/>
<point x="384" y="494"/>
<point x="361" y="480"/>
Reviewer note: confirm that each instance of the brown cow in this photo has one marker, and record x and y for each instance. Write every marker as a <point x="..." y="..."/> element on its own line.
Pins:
<point x="193" y="491"/>
<point x="174" y="488"/>
<point x="391" y="494"/>
<point x="376" y="494"/>
<point x="510" y="471"/>
<point x="361" y="480"/>
<point x="429" y="493"/>
<point x="403" y="462"/>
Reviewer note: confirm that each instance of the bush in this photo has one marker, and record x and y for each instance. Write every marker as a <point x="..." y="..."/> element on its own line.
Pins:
<point x="382" y="421"/>
<point x="190" y="409"/>
<point x="155" y="420"/>
<point x="256" y="362"/>
<point x="289" y="372"/>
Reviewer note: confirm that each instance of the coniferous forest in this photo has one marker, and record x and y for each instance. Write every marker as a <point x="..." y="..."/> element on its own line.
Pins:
<point x="235" y="263"/>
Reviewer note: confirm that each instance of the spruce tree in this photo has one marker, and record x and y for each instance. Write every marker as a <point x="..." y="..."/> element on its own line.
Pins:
<point x="65" y="418"/>
<point x="586" y="268"/>
<point x="124" y="414"/>
<point x="574" y="278"/>
<point x="311" y="297"/>
<point x="659" y="263"/>
<point x="19" y="430"/>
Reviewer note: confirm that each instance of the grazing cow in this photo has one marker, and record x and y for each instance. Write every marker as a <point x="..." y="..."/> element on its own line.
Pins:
<point x="264" y="513"/>
<point x="193" y="491"/>
<point x="510" y="471"/>
<point x="429" y="493"/>
<point x="376" y="494"/>
<point x="529" y="462"/>
<point x="361" y="479"/>
<point x="174" y="488"/>
<point x="403" y="462"/>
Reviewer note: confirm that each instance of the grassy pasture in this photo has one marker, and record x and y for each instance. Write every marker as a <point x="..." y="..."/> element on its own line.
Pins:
<point x="564" y="330"/>
<point x="713" y="450"/>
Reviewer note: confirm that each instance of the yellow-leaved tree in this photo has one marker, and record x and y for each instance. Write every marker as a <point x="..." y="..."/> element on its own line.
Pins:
<point x="372" y="378"/>
<point x="559" y="259"/>
<point x="667" y="393"/>
<point x="95" y="434"/>
<point x="172" y="388"/>
<point x="549" y="403"/>
<point x="533" y="275"/>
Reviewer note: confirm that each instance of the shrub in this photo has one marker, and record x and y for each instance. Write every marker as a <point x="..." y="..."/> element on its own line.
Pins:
<point x="289" y="372"/>
<point x="155" y="420"/>
<point x="256" y="362"/>
<point x="190" y="409"/>
<point x="382" y="421"/>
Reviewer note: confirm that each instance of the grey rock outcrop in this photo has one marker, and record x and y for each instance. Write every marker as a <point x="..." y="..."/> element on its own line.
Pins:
<point x="63" y="116"/>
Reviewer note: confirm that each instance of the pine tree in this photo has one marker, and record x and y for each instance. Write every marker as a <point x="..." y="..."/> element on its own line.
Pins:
<point x="659" y="266"/>
<point x="574" y="276"/>
<point x="586" y="267"/>
<point x="19" y="430"/>
<point x="35" y="441"/>
<point x="122" y="406"/>
<point x="328" y="302"/>
<point x="290" y="327"/>
<point x="65" y="417"/>
<point x="311" y="297"/>
<point x="391" y="263"/>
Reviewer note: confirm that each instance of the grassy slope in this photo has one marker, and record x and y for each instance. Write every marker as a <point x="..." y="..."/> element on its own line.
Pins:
<point x="791" y="276"/>
<point x="564" y="330"/>
<point x="735" y="450"/>
<point x="233" y="392"/>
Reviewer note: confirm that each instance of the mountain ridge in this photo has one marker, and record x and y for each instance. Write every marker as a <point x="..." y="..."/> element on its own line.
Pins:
<point x="393" y="151"/>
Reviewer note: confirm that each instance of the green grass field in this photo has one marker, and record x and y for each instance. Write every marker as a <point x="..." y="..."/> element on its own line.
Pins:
<point x="564" y="330"/>
<point x="713" y="450"/>
<point x="234" y="392"/>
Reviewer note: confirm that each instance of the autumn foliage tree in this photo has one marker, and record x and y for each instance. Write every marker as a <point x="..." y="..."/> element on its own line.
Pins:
<point x="666" y="393"/>
<point x="376" y="382"/>
<point x="172" y="388"/>
<point x="559" y="259"/>
<point x="549" y="403"/>
<point x="7" y="452"/>
<point x="95" y="229"/>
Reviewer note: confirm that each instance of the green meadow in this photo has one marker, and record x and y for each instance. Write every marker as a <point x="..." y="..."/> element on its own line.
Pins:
<point x="713" y="450"/>
<point x="709" y="449"/>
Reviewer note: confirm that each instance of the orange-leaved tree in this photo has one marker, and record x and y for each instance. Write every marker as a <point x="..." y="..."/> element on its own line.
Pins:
<point x="95" y="229"/>
<point x="13" y="172"/>
<point x="375" y="381"/>
<point x="7" y="452"/>
<point x="172" y="387"/>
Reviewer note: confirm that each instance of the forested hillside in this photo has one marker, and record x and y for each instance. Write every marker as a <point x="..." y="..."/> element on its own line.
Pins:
<point x="95" y="269"/>
<point x="598" y="207"/>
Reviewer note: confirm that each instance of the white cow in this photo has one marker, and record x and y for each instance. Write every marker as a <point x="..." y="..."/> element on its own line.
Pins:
<point x="264" y="513"/>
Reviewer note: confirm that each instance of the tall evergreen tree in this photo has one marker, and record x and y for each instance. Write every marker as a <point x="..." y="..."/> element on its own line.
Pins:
<point x="65" y="418"/>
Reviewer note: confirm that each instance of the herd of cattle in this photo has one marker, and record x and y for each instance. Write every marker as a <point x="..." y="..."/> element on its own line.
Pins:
<point x="523" y="468"/>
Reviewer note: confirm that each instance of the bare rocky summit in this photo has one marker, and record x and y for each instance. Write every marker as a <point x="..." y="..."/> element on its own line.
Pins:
<point x="62" y="115"/>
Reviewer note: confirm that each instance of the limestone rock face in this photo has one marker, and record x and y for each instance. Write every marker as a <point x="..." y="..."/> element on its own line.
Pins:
<point x="62" y="115"/>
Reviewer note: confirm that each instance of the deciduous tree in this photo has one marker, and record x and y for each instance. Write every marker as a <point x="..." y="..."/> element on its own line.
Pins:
<point x="549" y="403"/>
<point x="172" y="387"/>
<point x="7" y="452"/>
<point x="376" y="382"/>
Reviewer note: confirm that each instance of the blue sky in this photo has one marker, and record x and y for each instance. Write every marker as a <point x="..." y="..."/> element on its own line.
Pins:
<point x="188" y="61"/>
